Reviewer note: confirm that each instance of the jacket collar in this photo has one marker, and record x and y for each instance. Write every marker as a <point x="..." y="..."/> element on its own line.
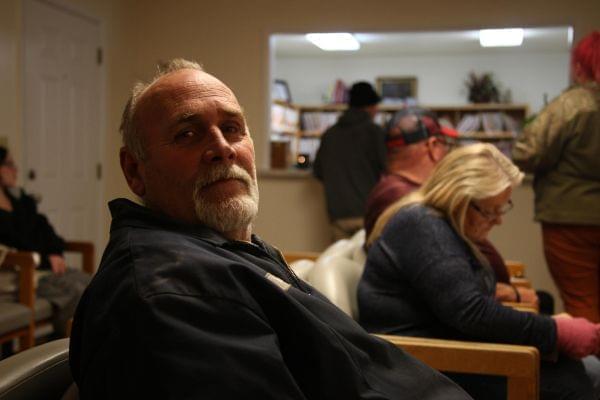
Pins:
<point x="126" y="213"/>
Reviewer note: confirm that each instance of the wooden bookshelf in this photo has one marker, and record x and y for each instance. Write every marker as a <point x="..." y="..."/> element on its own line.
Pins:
<point x="308" y="122"/>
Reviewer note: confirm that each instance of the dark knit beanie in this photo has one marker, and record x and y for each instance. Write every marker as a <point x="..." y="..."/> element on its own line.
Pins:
<point x="362" y="94"/>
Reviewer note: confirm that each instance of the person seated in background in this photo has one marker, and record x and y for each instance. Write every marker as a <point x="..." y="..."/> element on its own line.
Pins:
<point x="187" y="302"/>
<point x="425" y="276"/>
<point x="22" y="227"/>
<point x="416" y="142"/>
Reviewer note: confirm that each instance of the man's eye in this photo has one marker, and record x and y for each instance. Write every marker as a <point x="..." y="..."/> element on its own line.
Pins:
<point x="232" y="128"/>
<point x="185" y="137"/>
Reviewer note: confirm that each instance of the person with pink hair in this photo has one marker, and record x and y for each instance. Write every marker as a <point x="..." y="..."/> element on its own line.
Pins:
<point x="561" y="147"/>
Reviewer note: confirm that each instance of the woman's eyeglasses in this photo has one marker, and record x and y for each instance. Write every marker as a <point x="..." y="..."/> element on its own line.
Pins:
<point x="490" y="216"/>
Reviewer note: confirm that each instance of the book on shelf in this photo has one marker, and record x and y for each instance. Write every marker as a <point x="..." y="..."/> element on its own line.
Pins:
<point x="318" y="121"/>
<point x="284" y="119"/>
<point x="469" y="123"/>
<point x="488" y="124"/>
<point x="339" y="93"/>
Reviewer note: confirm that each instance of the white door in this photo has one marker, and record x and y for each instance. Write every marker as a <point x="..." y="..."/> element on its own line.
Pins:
<point x="62" y="117"/>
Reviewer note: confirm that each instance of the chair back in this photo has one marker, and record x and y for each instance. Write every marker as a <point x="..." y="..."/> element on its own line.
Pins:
<point x="39" y="373"/>
<point x="337" y="271"/>
<point x="337" y="278"/>
<point x="302" y="268"/>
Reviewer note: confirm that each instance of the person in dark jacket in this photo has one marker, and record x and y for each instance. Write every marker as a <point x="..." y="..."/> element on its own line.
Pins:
<point x="350" y="160"/>
<point x="425" y="276"/>
<point x="187" y="302"/>
<point x="23" y="227"/>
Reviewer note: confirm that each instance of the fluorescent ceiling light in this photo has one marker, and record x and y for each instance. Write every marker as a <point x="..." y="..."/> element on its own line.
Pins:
<point x="501" y="37"/>
<point x="334" y="41"/>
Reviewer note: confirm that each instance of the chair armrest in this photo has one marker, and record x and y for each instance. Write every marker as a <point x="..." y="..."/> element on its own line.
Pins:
<point x="25" y="263"/>
<point x="521" y="282"/>
<point x="525" y="307"/>
<point x="291" y="256"/>
<point x="86" y="249"/>
<point x="520" y="364"/>
<point x="41" y="372"/>
<point x="516" y="269"/>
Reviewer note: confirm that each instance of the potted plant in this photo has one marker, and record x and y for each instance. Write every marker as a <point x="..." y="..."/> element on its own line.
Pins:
<point x="482" y="88"/>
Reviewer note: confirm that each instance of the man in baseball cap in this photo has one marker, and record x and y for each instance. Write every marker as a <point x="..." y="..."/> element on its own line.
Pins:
<point x="415" y="143"/>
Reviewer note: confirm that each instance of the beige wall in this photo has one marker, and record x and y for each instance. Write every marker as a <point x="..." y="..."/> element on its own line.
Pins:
<point x="231" y="39"/>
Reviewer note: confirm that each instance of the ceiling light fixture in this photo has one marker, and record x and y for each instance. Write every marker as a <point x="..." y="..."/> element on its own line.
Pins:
<point x="334" y="41"/>
<point x="501" y="37"/>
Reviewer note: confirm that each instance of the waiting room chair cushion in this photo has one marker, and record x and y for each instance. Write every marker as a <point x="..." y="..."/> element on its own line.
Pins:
<point x="336" y="276"/>
<point x="302" y="268"/>
<point x="40" y="373"/>
<point x="43" y="309"/>
<point x="13" y="316"/>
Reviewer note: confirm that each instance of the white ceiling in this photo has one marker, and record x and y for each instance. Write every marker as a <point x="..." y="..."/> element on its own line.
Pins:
<point x="402" y="43"/>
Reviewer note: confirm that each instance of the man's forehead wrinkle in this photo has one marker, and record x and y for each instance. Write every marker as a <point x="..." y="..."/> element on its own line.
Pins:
<point x="189" y="90"/>
<point x="223" y="109"/>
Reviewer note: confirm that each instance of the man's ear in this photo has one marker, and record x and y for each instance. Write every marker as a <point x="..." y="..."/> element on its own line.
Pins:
<point x="131" y="169"/>
<point x="436" y="153"/>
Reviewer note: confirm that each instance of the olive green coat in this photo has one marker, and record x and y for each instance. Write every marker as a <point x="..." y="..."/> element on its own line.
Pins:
<point x="561" y="147"/>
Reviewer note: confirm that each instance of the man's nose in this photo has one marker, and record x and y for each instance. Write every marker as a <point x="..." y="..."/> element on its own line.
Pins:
<point x="219" y="149"/>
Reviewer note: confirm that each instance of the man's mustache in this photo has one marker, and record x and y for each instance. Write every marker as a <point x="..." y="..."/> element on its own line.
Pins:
<point x="222" y="172"/>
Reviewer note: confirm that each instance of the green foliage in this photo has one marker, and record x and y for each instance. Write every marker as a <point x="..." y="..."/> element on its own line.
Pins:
<point x="482" y="88"/>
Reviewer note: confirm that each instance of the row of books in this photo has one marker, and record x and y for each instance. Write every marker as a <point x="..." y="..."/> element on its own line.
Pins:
<point x="284" y="119"/>
<point x="318" y="121"/>
<point x="490" y="122"/>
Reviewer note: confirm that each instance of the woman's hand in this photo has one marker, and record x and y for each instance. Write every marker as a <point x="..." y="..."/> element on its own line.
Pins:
<point x="528" y="295"/>
<point x="505" y="292"/>
<point x="57" y="262"/>
<point x="577" y="337"/>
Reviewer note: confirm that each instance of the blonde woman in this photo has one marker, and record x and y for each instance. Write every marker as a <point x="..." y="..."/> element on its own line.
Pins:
<point x="424" y="275"/>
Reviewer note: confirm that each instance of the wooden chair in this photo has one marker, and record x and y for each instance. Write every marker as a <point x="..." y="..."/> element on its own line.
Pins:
<point x="86" y="250"/>
<point x="336" y="276"/>
<point x="519" y="364"/>
<point x="25" y="262"/>
<point x="291" y="256"/>
<point x="516" y="272"/>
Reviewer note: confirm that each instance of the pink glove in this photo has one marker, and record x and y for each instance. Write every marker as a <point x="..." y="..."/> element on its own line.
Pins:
<point x="577" y="337"/>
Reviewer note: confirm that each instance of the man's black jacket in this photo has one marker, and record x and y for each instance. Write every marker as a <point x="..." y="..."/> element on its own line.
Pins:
<point x="179" y="312"/>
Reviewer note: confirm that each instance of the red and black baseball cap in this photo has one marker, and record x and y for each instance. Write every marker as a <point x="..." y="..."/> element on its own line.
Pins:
<point x="427" y="125"/>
